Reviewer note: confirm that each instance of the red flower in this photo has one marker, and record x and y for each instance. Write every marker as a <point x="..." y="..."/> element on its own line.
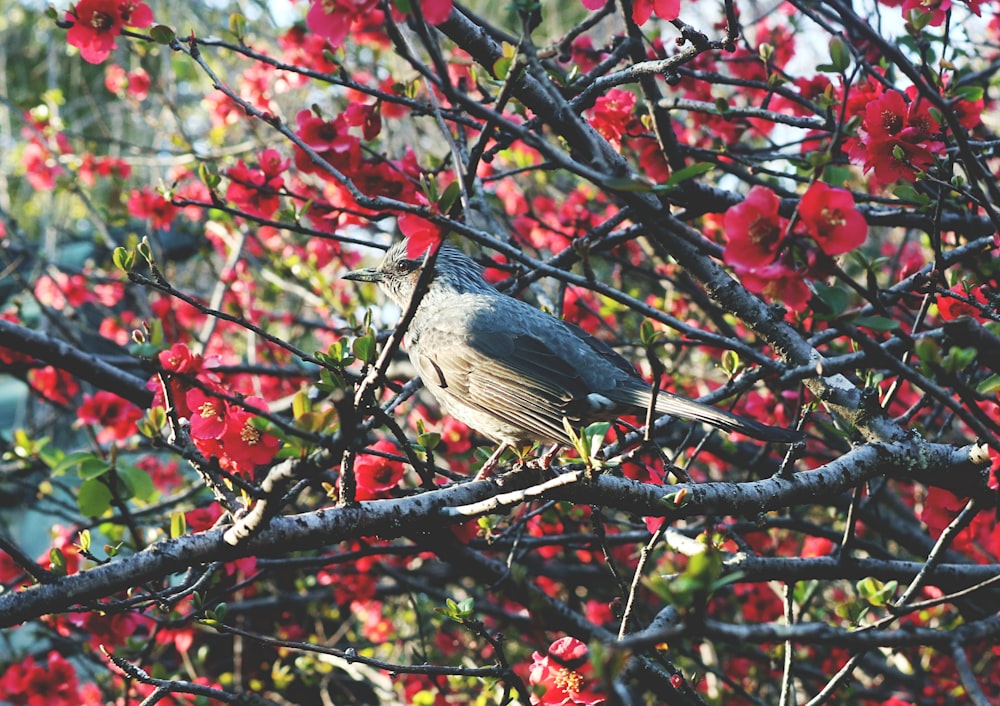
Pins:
<point x="115" y="416"/>
<point x="376" y="476"/>
<point x="245" y="445"/>
<point x="754" y="228"/>
<point x="951" y="307"/>
<point x="254" y="191"/>
<point x="55" y="385"/>
<point x="562" y="674"/>
<point x="895" y="139"/>
<point x="40" y="166"/>
<point x="830" y="217"/>
<point x="146" y="203"/>
<point x="333" y="18"/>
<point x="96" y="23"/>
<point x="664" y="9"/>
<point x="330" y="139"/>
<point x="208" y="414"/>
<point x="777" y="282"/>
<point x="421" y="234"/>
<point x="613" y="115"/>
<point x="51" y="684"/>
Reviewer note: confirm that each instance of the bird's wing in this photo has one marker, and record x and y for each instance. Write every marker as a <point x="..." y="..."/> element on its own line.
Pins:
<point x="516" y="379"/>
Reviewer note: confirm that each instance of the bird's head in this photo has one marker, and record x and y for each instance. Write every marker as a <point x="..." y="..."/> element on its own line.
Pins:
<point x="397" y="274"/>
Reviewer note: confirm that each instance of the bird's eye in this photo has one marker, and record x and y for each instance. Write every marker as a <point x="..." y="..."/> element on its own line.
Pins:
<point x="404" y="266"/>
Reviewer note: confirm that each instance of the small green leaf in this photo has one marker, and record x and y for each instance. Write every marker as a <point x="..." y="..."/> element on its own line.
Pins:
<point x="93" y="498"/>
<point x="689" y="172"/>
<point x="989" y="386"/>
<point x="835" y="298"/>
<point x="57" y="561"/>
<point x="449" y="196"/>
<point x="178" y="525"/>
<point x="138" y="482"/>
<point x="84" y="542"/>
<point x="238" y="25"/>
<point x="876" y="323"/>
<point x="123" y="259"/>
<point x="161" y="34"/>
<point x="969" y="93"/>
<point x="840" y="56"/>
<point x="93" y="467"/>
<point x="429" y="440"/>
<point x="364" y="348"/>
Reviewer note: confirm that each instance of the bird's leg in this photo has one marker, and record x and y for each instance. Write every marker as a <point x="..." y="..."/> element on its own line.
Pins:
<point x="491" y="463"/>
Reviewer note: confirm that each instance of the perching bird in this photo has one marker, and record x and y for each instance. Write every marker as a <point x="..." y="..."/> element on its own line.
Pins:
<point x="513" y="372"/>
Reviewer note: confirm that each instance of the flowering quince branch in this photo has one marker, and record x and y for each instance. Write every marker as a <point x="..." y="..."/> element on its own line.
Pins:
<point x="791" y="216"/>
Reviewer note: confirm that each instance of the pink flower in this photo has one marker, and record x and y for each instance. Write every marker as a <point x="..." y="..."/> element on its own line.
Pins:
<point x="664" y="9"/>
<point x="562" y="675"/>
<point x="115" y="416"/>
<point x="333" y="18"/>
<point x="96" y="23"/>
<point x="754" y="228"/>
<point x="830" y="217"/>
<point x="376" y="475"/>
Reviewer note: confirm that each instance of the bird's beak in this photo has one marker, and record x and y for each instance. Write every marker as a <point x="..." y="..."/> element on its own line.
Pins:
<point x="368" y="274"/>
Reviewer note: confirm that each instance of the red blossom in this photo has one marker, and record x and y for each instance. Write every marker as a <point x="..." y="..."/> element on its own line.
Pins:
<point x="245" y="445"/>
<point x="664" y="9"/>
<point x="375" y="475"/>
<point x="53" y="384"/>
<point x="937" y="9"/>
<point x="115" y="417"/>
<point x="613" y="115"/>
<point x="96" y="23"/>
<point x="208" y="414"/>
<point x="32" y="684"/>
<point x="257" y="191"/>
<point x="40" y="166"/>
<point x="146" y="203"/>
<point x="895" y="139"/>
<point x="755" y="229"/>
<point x="562" y="675"/>
<point x="421" y="234"/>
<point x="831" y="219"/>
<point x="333" y="18"/>
<point x="962" y="302"/>
<point x="777" y="282"/>
<point x="330" y="139"/>
<point x="60" y="290"/>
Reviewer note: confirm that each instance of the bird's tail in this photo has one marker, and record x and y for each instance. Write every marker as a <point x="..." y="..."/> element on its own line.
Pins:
<point x="676" y="406"/>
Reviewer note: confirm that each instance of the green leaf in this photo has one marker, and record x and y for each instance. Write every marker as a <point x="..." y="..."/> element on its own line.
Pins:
<point x="449" y="196"/>
<point x="178" y="525"/>
<point x="689" y="172"/>
<point x="876" y="592"/>
<point x="84" y="542"/>
<point x="139" y="483"/>
<point x="68" y="461"/>
<point x="989" y="386"/>
<point x="364" y="348"/>
<point x="840" y="55"/>
<point x="123" y="259"/>
<point x="969" y="93"/>
<point x="57" y="561"/>
<point x="93" y="498"/>
<point x="161" y="34"/>
<point x="834" y="298"/>
<point x="238" y="25"/>
<point x="876" y="323"/>
<point x="93" y="467"/>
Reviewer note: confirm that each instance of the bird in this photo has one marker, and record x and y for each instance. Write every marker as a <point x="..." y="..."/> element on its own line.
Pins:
<point x="515" y="373"/>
